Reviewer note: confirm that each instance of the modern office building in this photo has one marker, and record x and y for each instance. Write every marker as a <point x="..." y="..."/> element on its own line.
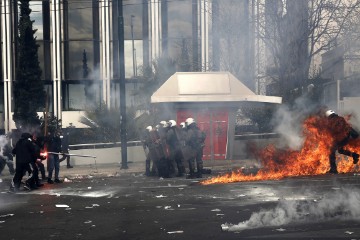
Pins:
<point x="79" y="47"/>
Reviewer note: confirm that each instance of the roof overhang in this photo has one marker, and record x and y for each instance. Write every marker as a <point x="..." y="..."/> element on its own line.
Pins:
<point x="207" y="87"/>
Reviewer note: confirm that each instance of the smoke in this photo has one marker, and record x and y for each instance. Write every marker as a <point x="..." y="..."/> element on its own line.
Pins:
<point x="288" y="122"/>
<point x="3" y="142"/>
<point x="344" y="204"/>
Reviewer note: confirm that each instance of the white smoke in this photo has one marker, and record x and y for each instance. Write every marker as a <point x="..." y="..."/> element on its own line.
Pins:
<point x="343" y="204"/>
<point x="288" y="122"/>
<point x="289" y="127"/>
<point x="3" y="142"/>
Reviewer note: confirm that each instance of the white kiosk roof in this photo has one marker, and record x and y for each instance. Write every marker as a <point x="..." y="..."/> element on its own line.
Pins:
<point x="207" y="87"/>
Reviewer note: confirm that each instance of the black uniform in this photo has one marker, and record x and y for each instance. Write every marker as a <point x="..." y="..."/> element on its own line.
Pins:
<point x="194" y="141"/>
<point x="173" y="139"/>
<point x="342" y="132"/>
<point x="165" y="168"/>
<point x="65" y="149"/>
<point x="25" y="152"/>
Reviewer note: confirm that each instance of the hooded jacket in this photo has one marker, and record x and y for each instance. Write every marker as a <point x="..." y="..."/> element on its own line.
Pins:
<point x="25" y="150"/>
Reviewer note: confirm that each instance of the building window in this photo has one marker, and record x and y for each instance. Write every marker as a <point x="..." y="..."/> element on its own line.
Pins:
<point x="37" y="17"/>
<point x="81" y="95"/>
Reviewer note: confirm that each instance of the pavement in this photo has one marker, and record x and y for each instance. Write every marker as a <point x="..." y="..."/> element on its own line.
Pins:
<point x="125" y="204"/>
<point x="113" y="169"/>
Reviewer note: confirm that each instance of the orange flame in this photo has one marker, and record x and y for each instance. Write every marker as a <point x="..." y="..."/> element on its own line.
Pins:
<point x="311" y="159"/>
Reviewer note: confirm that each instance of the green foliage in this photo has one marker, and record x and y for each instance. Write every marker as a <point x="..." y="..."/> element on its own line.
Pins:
<point x="51" y="124"/>
<point x="259" y="116"/>
<point x="29" y="94"/>
<point x="152" y="78"/>
<point x="104" y="124"/>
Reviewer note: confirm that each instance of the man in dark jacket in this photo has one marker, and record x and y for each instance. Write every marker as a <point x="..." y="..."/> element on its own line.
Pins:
<point x="342" y="132"/>
<point x="54" y="145"/>
<point x="65" y="149"/>
<point x="25" y="153"/>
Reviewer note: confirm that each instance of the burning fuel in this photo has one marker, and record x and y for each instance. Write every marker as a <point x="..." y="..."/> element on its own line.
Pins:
<point x="312" y="158"/>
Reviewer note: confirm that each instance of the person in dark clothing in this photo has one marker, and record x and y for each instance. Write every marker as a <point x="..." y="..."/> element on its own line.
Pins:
<point x="40" y="142"/>
<point x="65" y="149"/>
<point x="164" y="165"/>
<point x="25" y="153"/>
<point x="54" y="145"/>
<point x="173" y="138"/>
<point x="149" y="149"/>
<point x="194" y="147"/>
<point x="7" y="158"/>
<point x="342" y="132"/>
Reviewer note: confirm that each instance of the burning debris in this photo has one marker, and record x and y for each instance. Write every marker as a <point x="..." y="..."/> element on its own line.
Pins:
<point x="311" y="159"/>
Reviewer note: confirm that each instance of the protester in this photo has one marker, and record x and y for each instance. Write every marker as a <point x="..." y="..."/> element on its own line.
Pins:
<point x="25" y="152"/>
<point x="342" y="132"/>
<point x="54" y="146"/>
<point x="65" y="149"/>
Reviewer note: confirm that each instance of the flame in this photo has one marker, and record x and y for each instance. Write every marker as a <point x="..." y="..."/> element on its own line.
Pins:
<point x="312" y="159"/>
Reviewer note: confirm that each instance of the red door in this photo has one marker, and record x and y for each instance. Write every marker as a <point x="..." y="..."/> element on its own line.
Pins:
<point x="203" y="121"/>
<point x="220" y="133"/>
<point x="215" y="124"/>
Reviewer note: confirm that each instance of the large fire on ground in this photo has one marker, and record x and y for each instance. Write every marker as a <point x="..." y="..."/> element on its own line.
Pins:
<point x="311" y="159"/>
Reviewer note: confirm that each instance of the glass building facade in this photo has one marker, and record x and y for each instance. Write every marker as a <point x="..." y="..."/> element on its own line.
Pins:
<point x="78" y="47"/>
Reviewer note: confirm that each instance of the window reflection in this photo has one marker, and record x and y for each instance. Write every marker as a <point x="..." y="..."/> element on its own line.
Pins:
<point x="76" y="50"/>
<point x="179" y="26"/>
<point x="36" y="16"/>
<point x="129" y="54"/>
<point x="80" y="96"/>
<point x="80" y="19"/>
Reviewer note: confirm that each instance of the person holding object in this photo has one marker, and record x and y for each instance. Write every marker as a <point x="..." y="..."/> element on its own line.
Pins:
<point x="65" y="149"/>
<point x="342" y="132"/>
<point x="25" y="152"/>
<point x="54" y="145"/>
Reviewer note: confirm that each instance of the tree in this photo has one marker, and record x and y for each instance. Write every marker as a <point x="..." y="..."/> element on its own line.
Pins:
<point x="152" y="78"/>
<point x="29" y="94"/>
<point x="104" y="124"/>
<point x="296" y="32"/>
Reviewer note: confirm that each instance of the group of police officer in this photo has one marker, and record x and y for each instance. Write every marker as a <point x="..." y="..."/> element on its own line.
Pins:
<point x="169" y="147"/>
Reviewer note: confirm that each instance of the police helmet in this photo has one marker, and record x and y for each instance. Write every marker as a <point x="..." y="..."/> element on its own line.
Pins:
<point x="149" y="128"/>
<point x="328" y="113"/>
<point x="182" y="124"/>
<point x="164" y="124"/>
<point x="172" y="123"/>
<point x="189" y="121"/>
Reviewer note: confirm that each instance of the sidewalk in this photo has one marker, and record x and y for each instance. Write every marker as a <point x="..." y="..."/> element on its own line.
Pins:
<point x="114" y="169"/>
